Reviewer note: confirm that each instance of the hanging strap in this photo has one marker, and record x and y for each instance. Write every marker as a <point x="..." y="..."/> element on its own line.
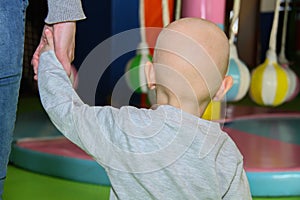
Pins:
<point x="165" y="12"/>
<point x="143" y="48"/>
<point x="236" y="11"/>
<point x="282" y="56"/>
<point x="272" y="43"/>
<point x="178" y="9"/>
<point x="142" y="21"/>
<point x="271" y="53"/>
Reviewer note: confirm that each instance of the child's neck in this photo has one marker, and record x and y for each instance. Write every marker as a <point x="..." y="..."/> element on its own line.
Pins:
<point x="189" y="106"/>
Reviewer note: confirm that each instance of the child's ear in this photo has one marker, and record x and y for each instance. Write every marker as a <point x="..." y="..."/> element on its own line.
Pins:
<point x="225" y="86"/>
<point x="150" y="75"/>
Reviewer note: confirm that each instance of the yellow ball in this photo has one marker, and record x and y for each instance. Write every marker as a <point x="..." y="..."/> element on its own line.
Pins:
<point x="269" y="84"/>
<point x="213" y="111"/>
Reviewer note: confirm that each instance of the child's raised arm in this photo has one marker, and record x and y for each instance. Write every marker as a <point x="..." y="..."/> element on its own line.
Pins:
<point x="77" y="121"/>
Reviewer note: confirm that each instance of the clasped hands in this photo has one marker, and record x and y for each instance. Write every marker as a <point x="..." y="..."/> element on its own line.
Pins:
<point x="64" y="45"/>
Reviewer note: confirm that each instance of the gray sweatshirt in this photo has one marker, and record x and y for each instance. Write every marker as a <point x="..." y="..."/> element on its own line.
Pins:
<point x="64" y="10"/>
<point x="161" y="153"/>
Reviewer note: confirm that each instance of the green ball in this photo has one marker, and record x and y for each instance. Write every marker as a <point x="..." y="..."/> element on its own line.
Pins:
<point x="134" y="71"/>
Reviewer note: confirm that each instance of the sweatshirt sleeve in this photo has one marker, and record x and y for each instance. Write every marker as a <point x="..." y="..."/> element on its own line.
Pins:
<point x="233" y="182"/>
<point x="239" y="187"/>
<point x="64" y="10"/>
<point x="77" y="121"/>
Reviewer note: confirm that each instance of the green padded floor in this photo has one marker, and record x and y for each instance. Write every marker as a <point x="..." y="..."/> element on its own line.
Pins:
<point x="25" y="185"/>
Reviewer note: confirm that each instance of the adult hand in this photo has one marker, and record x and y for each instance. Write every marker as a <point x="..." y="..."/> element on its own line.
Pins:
<point x="64" y="45"/>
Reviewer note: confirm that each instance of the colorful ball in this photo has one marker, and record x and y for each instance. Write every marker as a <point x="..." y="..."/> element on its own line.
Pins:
<point x="135" y="75"/>
<point x="213" y="111"/>
<point x="269" y="83"/>
<point x="297" y="90"/>
<point x="293" y="89"/>
<point x="240" y="74"/>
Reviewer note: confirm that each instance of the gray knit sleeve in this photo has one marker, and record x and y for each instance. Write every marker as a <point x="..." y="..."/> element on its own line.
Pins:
<point x="64" y="10"/>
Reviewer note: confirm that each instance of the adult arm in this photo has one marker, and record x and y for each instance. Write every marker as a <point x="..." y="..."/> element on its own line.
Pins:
<point x="62" y="17"/>
<point x="64" y="10"/>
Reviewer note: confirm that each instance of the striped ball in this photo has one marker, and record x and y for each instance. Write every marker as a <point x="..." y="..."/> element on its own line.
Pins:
<point x="214" y="111"/>
<point x="269" y="84"/>
<point x="135" y="75"/>
<point x="240" y="74"/>
<point x="293" y="83"/>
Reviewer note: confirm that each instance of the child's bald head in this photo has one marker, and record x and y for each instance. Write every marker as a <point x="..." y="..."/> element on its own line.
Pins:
<point x="208" y="36"/>
<point x="191" y="59"/>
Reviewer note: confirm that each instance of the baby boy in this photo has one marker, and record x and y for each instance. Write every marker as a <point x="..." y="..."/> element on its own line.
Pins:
<point x="166" y="152"/>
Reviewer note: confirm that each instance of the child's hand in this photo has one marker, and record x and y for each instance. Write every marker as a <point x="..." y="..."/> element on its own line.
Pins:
<point x="48" y="41"/>
<point x="36" y="55"/>
<point x="46" y="44"/>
